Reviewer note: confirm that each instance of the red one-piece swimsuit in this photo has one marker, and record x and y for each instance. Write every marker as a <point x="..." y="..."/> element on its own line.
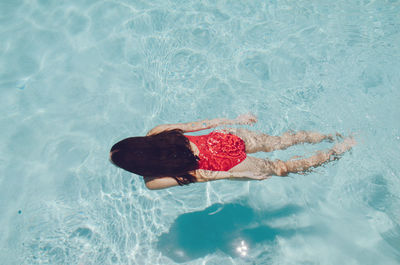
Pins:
<point x="219" y="151"/>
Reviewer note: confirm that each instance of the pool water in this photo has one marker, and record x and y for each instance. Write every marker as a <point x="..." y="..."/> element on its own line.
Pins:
<point x="77" y="76"/>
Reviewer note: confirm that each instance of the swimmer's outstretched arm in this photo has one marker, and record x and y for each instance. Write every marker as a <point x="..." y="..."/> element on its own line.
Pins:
<point x="204" y="124"/>
<point x="191" y="126"/>
<point x="154" y="183"/>
<point x="208" y="175"/>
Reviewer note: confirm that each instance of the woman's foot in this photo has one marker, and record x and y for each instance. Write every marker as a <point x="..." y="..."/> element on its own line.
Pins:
<point x="344" y="146"/>
<point x="330" y="138"/>
<point x="339" y="136"/>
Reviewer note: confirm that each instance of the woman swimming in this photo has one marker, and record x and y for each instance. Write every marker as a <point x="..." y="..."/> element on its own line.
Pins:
<point x="165" y="157"/>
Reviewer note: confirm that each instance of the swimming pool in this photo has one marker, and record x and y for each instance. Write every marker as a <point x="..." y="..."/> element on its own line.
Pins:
<point x="77" y="76"/>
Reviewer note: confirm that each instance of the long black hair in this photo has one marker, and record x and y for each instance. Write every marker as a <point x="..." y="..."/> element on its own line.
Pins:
<point x="164" y="154"/>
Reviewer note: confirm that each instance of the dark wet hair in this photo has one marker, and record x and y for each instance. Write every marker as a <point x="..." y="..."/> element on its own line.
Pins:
<point x="164" y="154"/>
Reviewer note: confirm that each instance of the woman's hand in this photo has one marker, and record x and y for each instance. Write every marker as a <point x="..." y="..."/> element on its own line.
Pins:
<point x="246" y="119"/>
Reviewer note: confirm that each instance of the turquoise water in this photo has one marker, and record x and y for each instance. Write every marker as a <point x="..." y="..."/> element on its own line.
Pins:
<point x="77" y="76"/>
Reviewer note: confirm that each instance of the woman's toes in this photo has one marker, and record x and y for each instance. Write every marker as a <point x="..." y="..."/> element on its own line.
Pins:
<point x="329" y="137"/>
<point x="281" y="168"/>
<point x="339" y="135"/>
<point x="344" y="146"/>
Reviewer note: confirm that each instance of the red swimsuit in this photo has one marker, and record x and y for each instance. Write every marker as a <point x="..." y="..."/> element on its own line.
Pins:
<point x="219" y="151"/>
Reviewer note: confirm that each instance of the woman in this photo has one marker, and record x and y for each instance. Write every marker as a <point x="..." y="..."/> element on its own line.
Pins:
<point x="166" y="157"/>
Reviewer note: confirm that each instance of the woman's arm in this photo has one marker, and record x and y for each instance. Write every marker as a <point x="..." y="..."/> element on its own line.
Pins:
<point x="191" y="126"/>
<point x="204" y="124"/>
<point x="157" y="183"/>
<point x="208" y="175"/>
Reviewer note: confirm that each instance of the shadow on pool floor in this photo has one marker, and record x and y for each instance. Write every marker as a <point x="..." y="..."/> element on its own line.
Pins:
<point x="219" y="227"/>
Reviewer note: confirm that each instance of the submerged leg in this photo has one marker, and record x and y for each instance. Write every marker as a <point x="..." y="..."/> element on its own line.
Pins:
<point x="281" y="168"/>
<point x="256" y="142"/>
<point x="261" y="166"/>
<point x="294" y="166"/>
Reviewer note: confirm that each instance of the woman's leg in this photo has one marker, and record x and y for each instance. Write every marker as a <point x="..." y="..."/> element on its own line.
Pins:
<point x="281" y="168"/>
<point x="320" y="158"/>
<point x="261" y="166"/>
<point x="256" y="142"/>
